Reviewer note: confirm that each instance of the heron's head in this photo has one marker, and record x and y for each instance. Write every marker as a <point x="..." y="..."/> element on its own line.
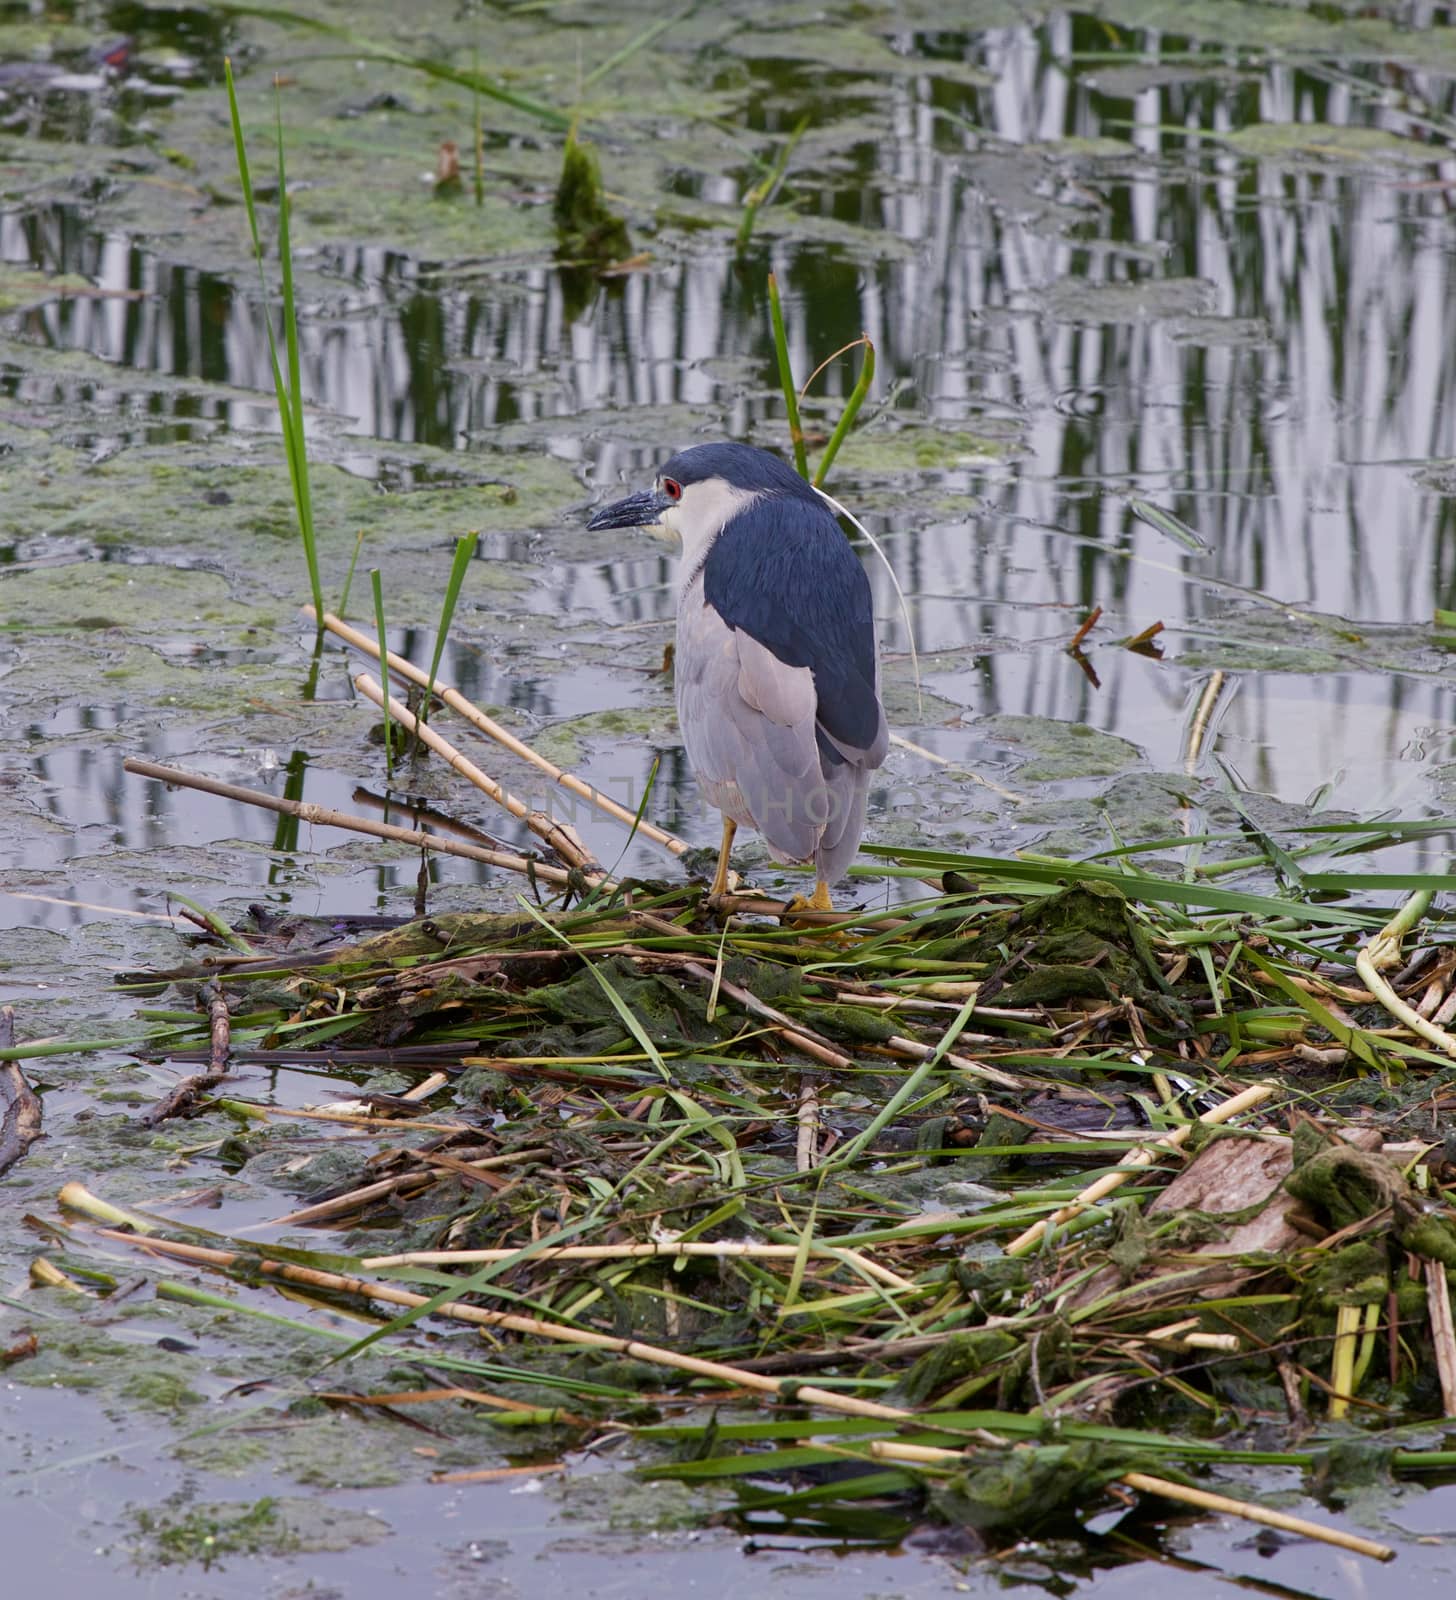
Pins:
<point x="702" y="490"/>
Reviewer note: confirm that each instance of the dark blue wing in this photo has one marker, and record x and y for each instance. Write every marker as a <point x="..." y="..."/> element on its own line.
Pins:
<point x="786" y="575"/>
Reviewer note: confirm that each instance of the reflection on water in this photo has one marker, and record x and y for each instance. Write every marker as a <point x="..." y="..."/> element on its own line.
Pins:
<point x="1253" y="337"/>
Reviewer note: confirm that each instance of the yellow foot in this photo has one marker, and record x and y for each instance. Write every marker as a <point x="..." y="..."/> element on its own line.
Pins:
<point x="820" y="901"/>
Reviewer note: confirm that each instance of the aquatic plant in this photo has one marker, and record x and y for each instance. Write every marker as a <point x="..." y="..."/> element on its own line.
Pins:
<point x="588" y="231"/>
<point x="289" y="394"/>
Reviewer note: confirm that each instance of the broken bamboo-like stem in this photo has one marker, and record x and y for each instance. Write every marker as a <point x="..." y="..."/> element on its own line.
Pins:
<point x="562" y="838"/>
<point x="666" y="1249"/>
<point x="493" y="730"/>
<point x="801" y="1394"/>
<point x="1146" y="1483"/>
<point x="324" y="817"/>
<point x="1443" y="1335"/>
<point x="562" y="1333"/>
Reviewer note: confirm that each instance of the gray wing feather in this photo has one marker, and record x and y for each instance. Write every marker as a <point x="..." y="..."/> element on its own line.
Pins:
<point x="783" y="693"/>
<point x="749" y="724"/>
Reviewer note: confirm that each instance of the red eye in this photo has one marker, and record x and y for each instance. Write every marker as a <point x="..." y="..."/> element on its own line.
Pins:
<point x="672" y="488"/>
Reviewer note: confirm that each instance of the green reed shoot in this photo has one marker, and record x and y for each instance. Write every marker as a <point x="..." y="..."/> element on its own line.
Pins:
<point x="464" y="550"/>
<point x="851" y="406"/>
<point x="793" y="394"/>
<point x="377" y="583"/>
<point x="763" y="192"/>
<point x="349" y="575"/>
<point x="479" y="138"/>
<point x="290" y="396"/>
<point x="786" y="376"/>
<point x="639" y="41"/>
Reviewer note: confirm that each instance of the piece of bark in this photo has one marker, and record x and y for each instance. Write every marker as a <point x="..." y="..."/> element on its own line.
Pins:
<point x="20" y="1106"/>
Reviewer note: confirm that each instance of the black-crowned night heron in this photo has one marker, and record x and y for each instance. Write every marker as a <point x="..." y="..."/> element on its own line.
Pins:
<point x="777" y="670"/>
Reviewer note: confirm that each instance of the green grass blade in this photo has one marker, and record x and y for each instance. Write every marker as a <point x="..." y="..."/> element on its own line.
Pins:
<point x="293" y="415"/>
<point x="762" y="193"/>
<point x="850" y="412"/>
<point x="349" y="575"/>
<point x="1285" y="866"/>
<point x="629" y="1017"/>
<point x="1352" y="1038"/>
<point x="1167" y="524"/>
<point x="1054" y="874"/>
<point x="464" y="550"/>
<point x="290" y="406"/>
<point x="638" y="42"/>
<point x="905" y="1093"/>
<point x="240" y="150"/>
<point x="786" y="376"/>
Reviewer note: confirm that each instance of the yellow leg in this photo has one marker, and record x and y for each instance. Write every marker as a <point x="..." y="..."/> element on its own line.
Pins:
<point x="720" y="877"/>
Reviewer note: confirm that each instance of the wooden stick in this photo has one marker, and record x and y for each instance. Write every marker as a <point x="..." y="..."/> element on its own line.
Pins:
<point x="250" y="1108"/>
<point x="323" y="817"/>
<point x="1132" y="1163"/>
<point x="1203" y="1499"/>
<point x="797" y="1034"/>
<point x="334" y="1282"/>
<point x="561" y="838"/>
<point x="426" y="1086"/>
<point x="493" y="730"/>
<point x="422" y="1397"/>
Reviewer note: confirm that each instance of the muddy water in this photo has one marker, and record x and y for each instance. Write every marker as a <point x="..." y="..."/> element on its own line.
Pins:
<point x="1163" y="326"/>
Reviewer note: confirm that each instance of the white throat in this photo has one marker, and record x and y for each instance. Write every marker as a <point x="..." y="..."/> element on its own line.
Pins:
<point x="699" y="517"/>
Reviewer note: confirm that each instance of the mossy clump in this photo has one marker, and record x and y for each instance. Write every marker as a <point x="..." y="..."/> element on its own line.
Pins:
<point x="588" y="231"/>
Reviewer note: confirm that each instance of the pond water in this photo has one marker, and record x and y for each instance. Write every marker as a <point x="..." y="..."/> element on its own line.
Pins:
<point x="1161" y="303"/>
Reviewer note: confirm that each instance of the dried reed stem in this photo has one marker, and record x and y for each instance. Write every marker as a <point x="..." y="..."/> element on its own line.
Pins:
<point x="1206" y="1501"/>
<point x="1443" y="1333"/>
<point x="342" y="1204"/>
<point x="933" y="1455"/>
<point x="668" y="1250"/>
<point x="558" y="835"/>
<point x="806" y="1144"/>
<point x="337" y="1283"/>
<point x="493" y="730"/>
<point x="1382" y="951"/>
<point x="323" y="817"/>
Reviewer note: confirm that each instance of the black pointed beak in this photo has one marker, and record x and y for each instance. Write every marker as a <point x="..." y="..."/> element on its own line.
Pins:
<point x="636" y="511"/>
